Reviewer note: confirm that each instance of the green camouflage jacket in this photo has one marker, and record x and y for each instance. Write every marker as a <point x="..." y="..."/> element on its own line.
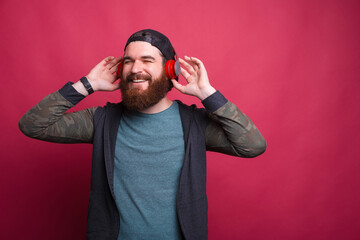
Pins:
<point x="230" y="131"/>
<point x="222" y="127"/>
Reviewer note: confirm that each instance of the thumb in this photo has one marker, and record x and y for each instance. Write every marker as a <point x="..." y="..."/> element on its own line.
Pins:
<point x="178" y="86"/>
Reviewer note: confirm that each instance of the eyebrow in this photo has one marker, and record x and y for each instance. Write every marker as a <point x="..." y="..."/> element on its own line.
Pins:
<point x="142" y="57"/>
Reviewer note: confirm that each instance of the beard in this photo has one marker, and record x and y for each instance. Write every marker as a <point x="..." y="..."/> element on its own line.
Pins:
<point x="137" y="99"/>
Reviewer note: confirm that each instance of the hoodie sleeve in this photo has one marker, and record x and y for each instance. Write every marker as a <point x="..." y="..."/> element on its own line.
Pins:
<point x="49" y="121"/>
<point x="230" y="131"/>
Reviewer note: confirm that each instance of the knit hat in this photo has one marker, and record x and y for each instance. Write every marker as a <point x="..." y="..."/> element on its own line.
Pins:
<point x="156" y="39"/>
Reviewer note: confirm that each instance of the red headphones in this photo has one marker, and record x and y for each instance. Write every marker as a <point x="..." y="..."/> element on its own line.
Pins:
<point x="172" y="68"/>
<point x="119" y="69"/>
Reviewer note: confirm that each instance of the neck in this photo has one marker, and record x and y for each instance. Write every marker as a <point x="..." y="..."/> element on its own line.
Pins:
<point x="162" y="105"/>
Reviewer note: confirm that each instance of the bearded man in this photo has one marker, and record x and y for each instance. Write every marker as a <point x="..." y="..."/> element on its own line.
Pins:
<point x="148" y="178"/>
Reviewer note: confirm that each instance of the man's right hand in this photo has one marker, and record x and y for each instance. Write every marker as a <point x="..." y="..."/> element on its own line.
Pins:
<point x="102" y="77"/>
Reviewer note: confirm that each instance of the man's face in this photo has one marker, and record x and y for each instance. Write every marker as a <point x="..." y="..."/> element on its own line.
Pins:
<point x="143" y="81"/>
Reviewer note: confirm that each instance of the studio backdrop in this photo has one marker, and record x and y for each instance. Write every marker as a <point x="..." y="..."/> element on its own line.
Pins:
<point x="291" y="66"/>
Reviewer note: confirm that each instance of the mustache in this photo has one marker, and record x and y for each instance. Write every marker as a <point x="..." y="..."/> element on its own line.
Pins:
<point x="138" y="76"/>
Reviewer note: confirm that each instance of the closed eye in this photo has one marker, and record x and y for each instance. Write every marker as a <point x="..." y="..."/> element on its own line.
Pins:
<point x="145" y="59"/>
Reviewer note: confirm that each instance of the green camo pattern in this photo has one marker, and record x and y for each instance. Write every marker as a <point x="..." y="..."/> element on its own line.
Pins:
<point x="229" y="131"/>
<point x="49" y="121"/>
<point x="232" y="132"/>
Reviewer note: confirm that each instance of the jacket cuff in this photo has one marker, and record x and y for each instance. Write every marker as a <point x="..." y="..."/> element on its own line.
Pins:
<point x="214" y="101"/>
<point x="70" y="94"/>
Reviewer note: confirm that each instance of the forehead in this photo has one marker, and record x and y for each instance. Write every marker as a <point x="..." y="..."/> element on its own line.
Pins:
<point x="138" y="49"/>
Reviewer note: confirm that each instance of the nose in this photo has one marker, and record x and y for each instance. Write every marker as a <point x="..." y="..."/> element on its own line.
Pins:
<point x="136" y="67"/>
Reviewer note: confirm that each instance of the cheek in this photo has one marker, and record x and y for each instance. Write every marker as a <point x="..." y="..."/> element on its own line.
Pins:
<point x="124" y="72"/>
<point x="122" y="76"/>
<point x="157" y="72"/>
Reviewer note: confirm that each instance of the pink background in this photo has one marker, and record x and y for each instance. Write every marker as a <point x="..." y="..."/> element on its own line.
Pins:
<point x="292" y="66"/>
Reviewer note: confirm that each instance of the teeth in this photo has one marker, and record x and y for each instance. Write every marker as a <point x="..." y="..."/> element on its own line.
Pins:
<point x="138" y="81"/>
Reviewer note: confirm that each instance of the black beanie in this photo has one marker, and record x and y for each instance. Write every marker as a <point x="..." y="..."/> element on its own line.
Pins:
<point x="156" y="39"/>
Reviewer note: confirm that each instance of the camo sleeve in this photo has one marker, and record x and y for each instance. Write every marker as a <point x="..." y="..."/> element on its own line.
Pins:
<point x="49" y="121"/>
<point x="231" y="132"/>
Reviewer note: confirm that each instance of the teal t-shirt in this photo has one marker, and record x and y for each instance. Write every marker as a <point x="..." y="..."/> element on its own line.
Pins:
<point x="149" y="154"/>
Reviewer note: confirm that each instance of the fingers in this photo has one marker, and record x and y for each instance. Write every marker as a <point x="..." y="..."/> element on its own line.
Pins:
<point x="192" y="65"/>
<point x="192" y="62"/>
<point x="197" y="62"/>
<point x="200" y="64"/>
<point x="114" y="69"/>
<point x="114" y="63"/>
<point x="185" y="74"/>
<point x="110" y="63"/>
<point x="187" y="65"/>
<point x="106" y="60"/>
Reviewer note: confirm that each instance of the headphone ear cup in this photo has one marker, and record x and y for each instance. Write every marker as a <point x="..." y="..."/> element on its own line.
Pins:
<point x="177" y="68"/>
<point x="168" y="69"/>
<point x="172" y="69"/>
<point x="119" y="69"/>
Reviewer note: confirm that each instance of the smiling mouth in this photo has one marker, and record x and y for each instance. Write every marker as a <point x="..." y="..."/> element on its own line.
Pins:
<point x="138" y="81"/>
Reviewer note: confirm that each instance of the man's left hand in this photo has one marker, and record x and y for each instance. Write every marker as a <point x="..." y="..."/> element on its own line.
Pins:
<point x="195" y="74"/>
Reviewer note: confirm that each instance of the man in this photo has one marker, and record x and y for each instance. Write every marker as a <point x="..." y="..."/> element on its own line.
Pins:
<point x="148" y="177"/>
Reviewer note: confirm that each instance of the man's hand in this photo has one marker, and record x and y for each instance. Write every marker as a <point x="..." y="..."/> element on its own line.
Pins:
<point x="197" y="78"/>
<point x="102" y="77"/>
